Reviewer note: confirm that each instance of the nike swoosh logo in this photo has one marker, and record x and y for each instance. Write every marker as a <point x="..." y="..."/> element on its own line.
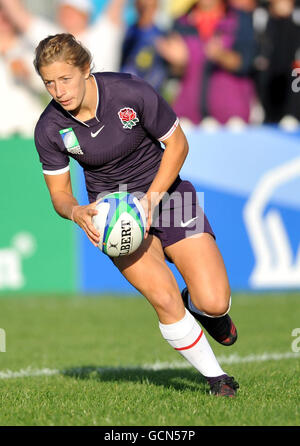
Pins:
<point x="93" y="135"/>
<point x="187" y="223"/>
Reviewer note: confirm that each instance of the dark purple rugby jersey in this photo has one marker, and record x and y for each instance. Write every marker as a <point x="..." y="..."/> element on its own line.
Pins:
<point x="121" y="145"/>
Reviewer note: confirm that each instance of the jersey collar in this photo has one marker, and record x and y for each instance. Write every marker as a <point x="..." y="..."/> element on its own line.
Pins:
<point x="93" y="121"/>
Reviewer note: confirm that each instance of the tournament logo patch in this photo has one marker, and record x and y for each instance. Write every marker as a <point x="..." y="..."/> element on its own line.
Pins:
<point x="128" y="118"/>
<point x="70" y="141"/>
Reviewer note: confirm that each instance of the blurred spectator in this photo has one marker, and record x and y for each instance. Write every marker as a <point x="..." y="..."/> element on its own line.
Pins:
<point x="103" y="38"/>
<point x="244" y="5"/>
<point x="213" y="45"/>
<point x="19" y="86"/>
<point x="278" y="29"/>
<point x="140" y="56"/>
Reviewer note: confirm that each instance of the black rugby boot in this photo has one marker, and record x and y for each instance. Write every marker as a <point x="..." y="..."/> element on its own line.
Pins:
<point x="222" y="329"/>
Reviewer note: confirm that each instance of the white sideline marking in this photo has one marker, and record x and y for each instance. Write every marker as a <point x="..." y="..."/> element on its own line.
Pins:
<point x="232" y="359"/>
<point x="28" y="372"/>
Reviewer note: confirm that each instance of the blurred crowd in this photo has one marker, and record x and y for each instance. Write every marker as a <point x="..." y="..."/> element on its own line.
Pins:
<point x="214" y="61"/>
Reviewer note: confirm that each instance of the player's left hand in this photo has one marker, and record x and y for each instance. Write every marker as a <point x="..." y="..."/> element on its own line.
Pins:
<point x="83" y="215"/>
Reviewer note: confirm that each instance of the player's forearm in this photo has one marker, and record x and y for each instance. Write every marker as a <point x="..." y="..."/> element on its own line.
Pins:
<point x="17" y="13"/>
<point x="63" y="204"/>
<point x="171" y="163"/>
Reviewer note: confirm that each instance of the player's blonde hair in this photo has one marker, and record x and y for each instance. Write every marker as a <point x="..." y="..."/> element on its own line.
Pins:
<point x="61" y="47"/>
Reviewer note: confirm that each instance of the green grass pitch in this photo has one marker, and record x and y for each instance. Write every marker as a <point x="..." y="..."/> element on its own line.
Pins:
<point x="86" y="361"/>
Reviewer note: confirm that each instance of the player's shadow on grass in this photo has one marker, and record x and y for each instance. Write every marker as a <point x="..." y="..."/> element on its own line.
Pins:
<point x="179" y="379"/>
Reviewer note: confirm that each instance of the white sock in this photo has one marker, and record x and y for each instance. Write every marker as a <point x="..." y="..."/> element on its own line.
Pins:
<point x="187" y="337"/>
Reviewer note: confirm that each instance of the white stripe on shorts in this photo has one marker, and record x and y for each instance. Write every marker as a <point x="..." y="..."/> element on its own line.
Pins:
<point x="170" y="132"/>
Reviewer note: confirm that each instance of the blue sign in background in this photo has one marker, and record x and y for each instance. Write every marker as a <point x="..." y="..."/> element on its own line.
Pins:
<point x="251" y="185"/>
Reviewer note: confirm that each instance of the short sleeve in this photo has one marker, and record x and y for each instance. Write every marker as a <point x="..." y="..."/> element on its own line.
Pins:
<point x="158" y="118"/>
<point x="53" y="161"/>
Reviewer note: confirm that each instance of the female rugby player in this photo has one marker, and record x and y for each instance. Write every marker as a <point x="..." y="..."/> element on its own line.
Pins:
<point x="85" y="121"/>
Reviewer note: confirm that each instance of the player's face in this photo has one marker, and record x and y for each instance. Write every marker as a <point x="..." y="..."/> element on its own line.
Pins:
<point x="65" y="83"/>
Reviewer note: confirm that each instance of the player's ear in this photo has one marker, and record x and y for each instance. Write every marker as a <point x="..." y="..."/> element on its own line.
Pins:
<point x="87" y="71"/>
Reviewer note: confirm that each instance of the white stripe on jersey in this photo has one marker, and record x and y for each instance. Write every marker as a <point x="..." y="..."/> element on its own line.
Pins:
<point x="170" y="132"/>
<point x="56" y="172"/>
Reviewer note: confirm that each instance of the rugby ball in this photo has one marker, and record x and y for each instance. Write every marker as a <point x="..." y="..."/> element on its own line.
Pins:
<point x="121" y="222"/>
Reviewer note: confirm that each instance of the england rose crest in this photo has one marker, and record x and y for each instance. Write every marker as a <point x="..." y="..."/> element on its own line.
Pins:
<point x="128" y="117"/>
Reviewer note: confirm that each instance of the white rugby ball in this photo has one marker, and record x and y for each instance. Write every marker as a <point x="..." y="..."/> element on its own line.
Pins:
<point x="121" y="222"/>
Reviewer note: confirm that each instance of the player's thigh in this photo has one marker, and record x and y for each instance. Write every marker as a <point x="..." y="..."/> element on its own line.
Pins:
<point x="148" y="272"/>
<point x="201" y="264"/>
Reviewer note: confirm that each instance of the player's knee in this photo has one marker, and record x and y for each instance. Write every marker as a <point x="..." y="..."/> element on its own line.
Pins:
<point x="216" y="305"/>
<point x="218" y="309"/>
<point x="164" y="300"/>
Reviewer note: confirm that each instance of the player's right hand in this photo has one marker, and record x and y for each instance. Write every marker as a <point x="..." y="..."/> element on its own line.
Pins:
<point x="82" y="215"/>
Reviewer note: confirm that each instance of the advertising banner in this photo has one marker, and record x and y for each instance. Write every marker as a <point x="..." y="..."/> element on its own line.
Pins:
<point x="37" y="248"/>
<point x="249" y="184"/>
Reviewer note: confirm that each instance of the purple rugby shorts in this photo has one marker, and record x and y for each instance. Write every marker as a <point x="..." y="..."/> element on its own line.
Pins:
<point x="179" y="215"/>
